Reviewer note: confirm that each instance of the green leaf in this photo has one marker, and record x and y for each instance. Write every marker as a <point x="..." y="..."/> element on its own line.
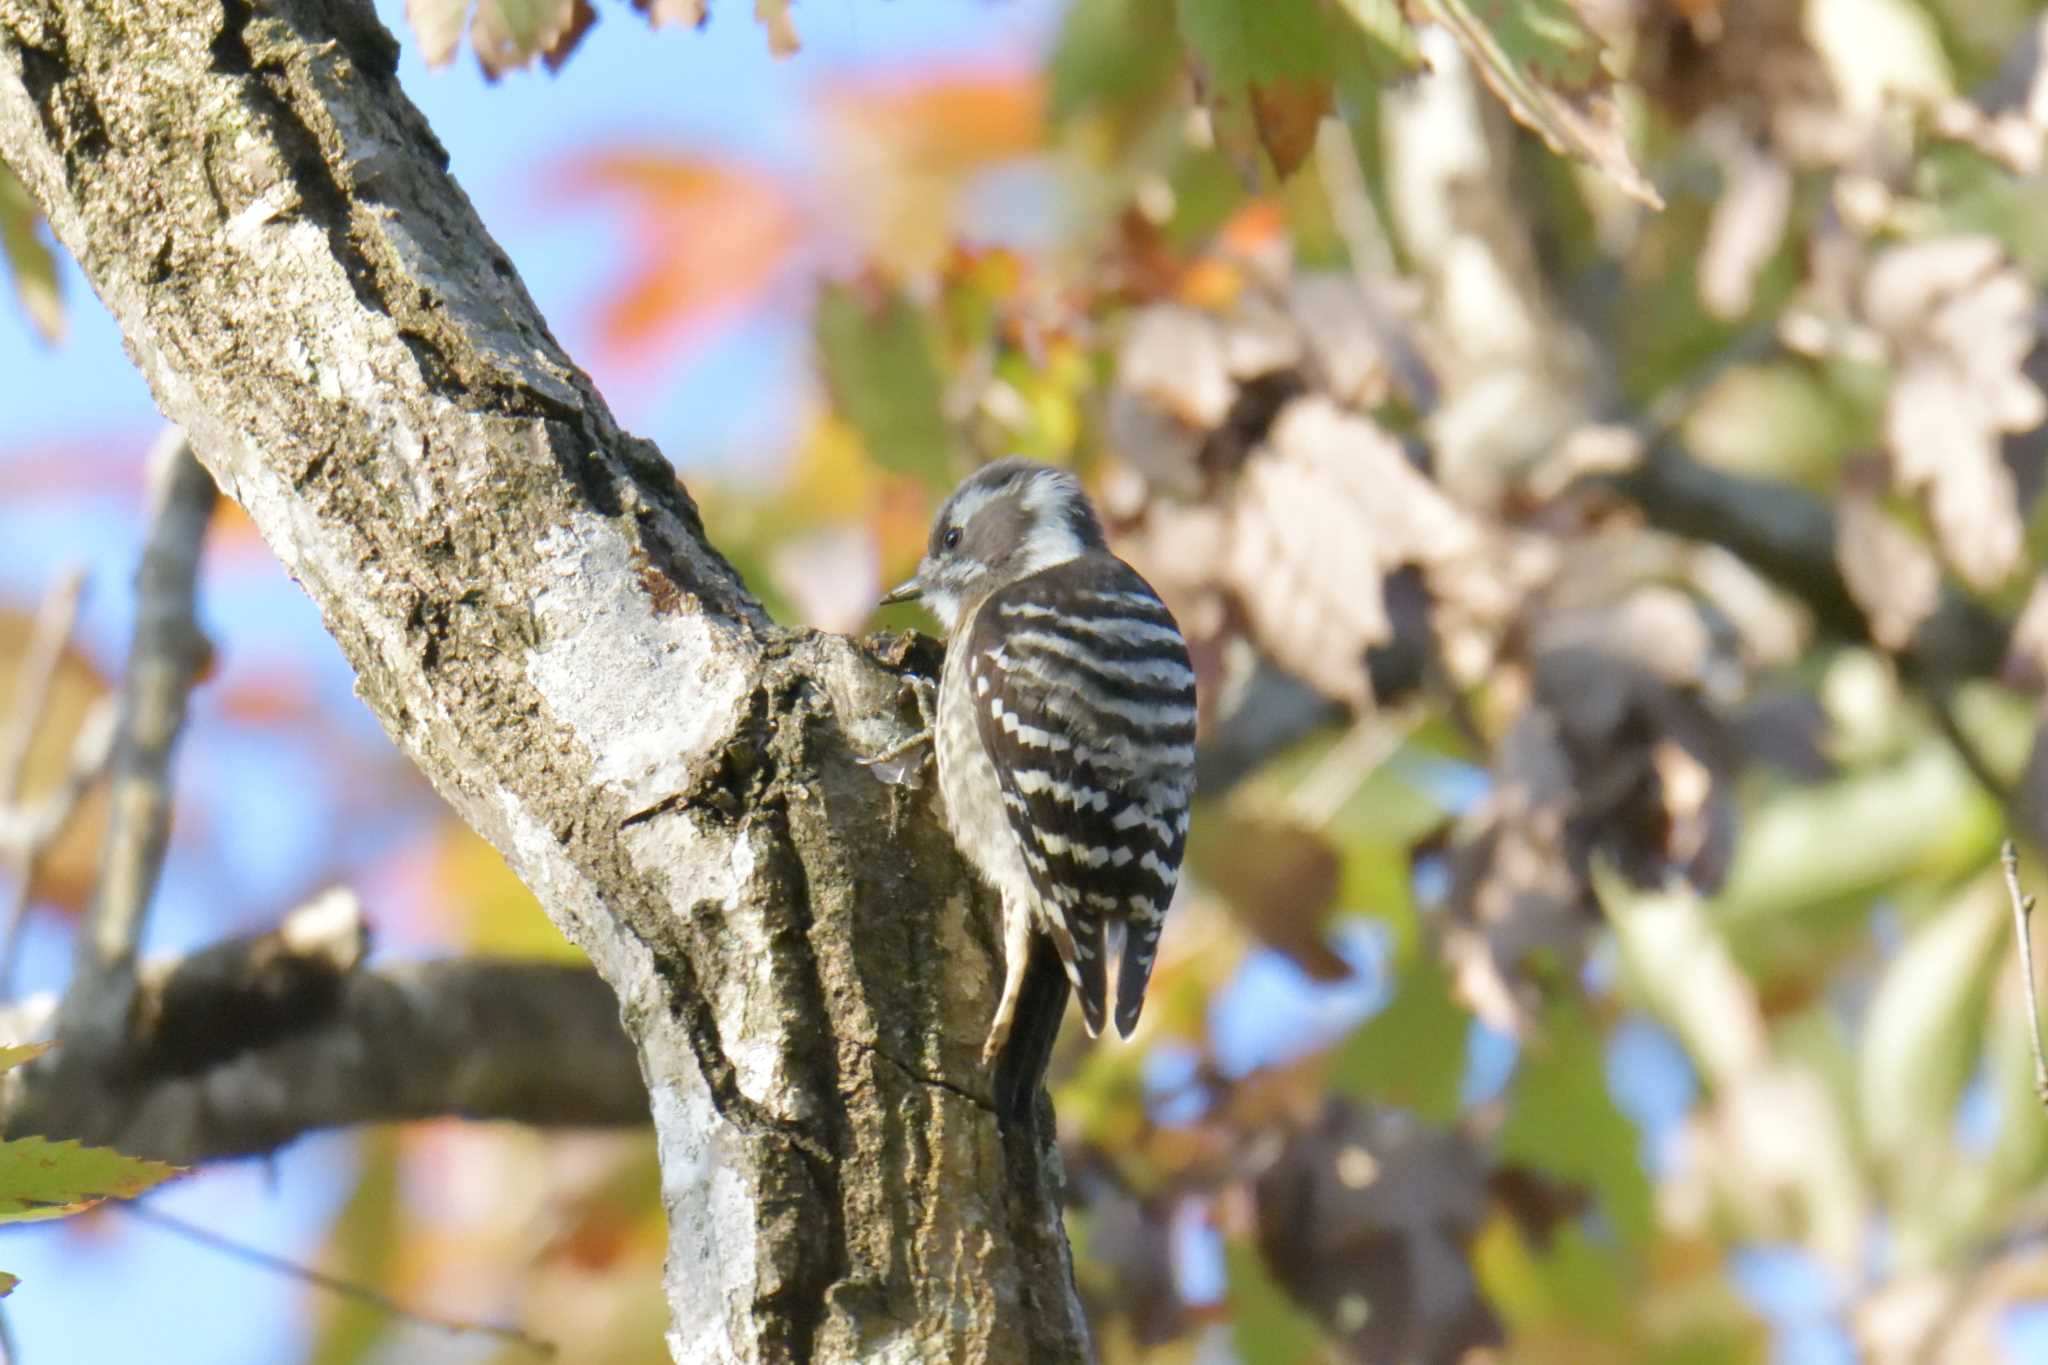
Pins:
<point x="1115" y="58"/>
<point x="1920" y="1037"/>
<point x="881" y="363"/>
<point x="1267" y="1327"/>
<point x="1565" y="1122"/>
<point x="1549" y="69"/>
<point x="13" y="1056"/>
<point x="42" y="1179"/>
<point x="1387" y="33"/>
<point x="30" y="258"/>
<point x="7" y="1283"/>
<point x="1269" y="66"/>
<point x="1565" y="1279"/>
<point x="1412" y="1053"/>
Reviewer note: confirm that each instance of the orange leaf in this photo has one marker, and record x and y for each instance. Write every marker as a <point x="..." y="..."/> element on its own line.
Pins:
<point x="708" y="239"/>
<point x="945" y="124"/>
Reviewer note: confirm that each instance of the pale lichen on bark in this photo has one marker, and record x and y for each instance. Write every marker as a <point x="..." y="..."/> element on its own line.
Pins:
<point x="536" y="617"/>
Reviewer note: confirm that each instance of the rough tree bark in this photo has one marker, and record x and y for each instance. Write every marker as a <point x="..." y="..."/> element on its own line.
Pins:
<point x="534" y="613"/>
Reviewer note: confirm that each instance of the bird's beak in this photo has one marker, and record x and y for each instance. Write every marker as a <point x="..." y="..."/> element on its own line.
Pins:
<point x="909" y="590"/>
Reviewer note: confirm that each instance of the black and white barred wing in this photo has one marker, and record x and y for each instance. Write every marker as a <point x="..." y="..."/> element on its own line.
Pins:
<point x="1085" y="701"/>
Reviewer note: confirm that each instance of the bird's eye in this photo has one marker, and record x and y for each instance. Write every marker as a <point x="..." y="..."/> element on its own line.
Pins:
<point x="951" y="540"/>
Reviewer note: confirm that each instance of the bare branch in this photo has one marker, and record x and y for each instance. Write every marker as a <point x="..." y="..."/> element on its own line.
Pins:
<point x="164" y="662"/>
<point x="245" y="1045"/>
<point x="2022" y="913"/>
<point x="1788" y="534"/>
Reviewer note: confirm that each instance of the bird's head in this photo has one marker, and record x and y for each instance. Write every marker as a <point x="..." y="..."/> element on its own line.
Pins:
<point x="1007" y="521"/>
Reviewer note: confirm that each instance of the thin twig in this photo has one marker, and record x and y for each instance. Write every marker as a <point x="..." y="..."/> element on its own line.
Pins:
<point x="333" y="1284"/>
<point x="2022" y="912"/>
<point x="55" y="619"/>
<point x="163" y="663"/>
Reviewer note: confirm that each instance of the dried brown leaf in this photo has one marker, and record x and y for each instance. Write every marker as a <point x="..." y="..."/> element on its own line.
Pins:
<point x="1287" y="113"/>
<point x="438" y="25"/>
<point x="1318" y="518"/>
<point x="1961" y="321"/>
<point x="1366" y="1218"/>
<point x="508" y="34"/>
<point x="1889" y="573"/>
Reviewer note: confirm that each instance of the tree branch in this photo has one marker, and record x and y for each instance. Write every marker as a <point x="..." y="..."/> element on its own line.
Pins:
<point x="1788" y="535"/>
<point x="163" y="663"/>
<point x="534" y="615"/>
<point x="252" y="1042"/>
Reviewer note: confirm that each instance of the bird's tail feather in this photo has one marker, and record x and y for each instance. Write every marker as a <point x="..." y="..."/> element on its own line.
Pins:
<point x="1041" y="1005"/>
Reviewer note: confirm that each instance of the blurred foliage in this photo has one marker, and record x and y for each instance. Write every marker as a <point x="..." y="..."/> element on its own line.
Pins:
<point x="1625" y="904"/>
<point x="30" y="258"/>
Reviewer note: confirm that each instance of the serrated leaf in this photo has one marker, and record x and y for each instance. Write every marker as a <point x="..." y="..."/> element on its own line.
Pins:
<point x="42" y="1179"/>
<point x="438" y="25"/>
<point x="1545" y="65"/>
<point x="1565" y="1122"/>
<point x="508" y="34"/>
<point x="881" y="363"/>
<point x="30" y="258"/>
<point x="13" y="1056"/>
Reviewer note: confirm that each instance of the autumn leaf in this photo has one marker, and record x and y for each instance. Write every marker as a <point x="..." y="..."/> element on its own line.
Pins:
<point x="1548" y="68"/>
<point x="1272" y="65"/>
<point x="708" y="238"/>
<point x="508" y="34"/>
<point x="901" y="151"/>
<point x="42" y="1179"/>
<point x="1960" y="317"/>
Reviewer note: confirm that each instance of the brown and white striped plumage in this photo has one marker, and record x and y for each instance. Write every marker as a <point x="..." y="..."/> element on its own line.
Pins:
<point x="1065" y="740"/>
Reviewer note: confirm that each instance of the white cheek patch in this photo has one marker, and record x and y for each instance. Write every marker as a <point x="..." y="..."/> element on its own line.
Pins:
<point x="1050" y="542"/>
<point x="943" y="603"/>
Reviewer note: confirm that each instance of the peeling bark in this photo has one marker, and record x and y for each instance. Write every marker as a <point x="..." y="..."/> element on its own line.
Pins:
<point x="535" y="616"/>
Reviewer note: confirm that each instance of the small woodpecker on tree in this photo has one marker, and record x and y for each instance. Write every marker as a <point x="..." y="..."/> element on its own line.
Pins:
<point x="1065" y="738"/>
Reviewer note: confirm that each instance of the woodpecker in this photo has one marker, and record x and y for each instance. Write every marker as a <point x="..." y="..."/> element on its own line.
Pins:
<point x="1065" y="739"/>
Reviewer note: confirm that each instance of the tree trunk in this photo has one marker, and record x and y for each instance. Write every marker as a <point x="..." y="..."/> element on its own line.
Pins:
<point x="532" y="611"/>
